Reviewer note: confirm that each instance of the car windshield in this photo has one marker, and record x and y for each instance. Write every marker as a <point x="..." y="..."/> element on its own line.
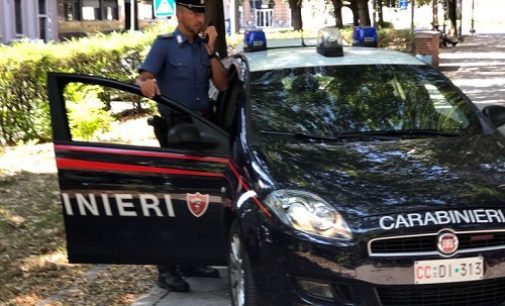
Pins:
<point x="332" y="101"/>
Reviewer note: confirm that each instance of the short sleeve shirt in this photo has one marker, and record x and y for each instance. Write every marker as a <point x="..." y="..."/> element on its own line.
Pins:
<point x="181" y="68"/>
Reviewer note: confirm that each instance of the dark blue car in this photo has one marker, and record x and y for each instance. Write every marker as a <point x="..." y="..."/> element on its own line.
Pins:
<point x="356" y="177"/>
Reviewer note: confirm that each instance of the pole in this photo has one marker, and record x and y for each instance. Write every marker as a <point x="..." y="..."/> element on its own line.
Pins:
<point x="412" y="2"/>
<point x="132" y="15"/>
<point x="412" y="16"/>
<point x="434" y="9"/>
<point x="460" y="17"/>
<point x="374" y="21"/>
<point x="472" y="29"/>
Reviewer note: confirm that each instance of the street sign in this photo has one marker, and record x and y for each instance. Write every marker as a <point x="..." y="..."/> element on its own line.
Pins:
<point x="164" y="8"/>
<point x="404" y="4"/>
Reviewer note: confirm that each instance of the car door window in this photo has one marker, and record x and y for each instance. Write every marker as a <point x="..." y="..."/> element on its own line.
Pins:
<point x="108" y="115"/>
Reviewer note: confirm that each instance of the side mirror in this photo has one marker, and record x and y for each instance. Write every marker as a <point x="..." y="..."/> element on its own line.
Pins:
<point x="187" y="136"/>
<point x="495" y="113"/>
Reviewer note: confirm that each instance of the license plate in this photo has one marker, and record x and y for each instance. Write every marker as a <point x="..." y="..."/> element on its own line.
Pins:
<point x="448" y="270"/>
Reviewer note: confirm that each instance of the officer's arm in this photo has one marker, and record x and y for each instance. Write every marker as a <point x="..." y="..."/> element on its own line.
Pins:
<point x="219" y="73"/>
<point x="148" y="84"/>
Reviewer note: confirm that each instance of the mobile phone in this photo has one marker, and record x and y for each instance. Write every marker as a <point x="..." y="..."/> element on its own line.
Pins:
<point x="204" y="37"/>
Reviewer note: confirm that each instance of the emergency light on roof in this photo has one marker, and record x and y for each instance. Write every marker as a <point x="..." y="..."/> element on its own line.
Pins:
<point x="329" y="42"/>
<point x="254" y="40"/>
<point x="365" y="37"/>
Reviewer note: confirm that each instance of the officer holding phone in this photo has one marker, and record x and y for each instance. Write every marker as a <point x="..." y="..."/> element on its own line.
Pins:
<point x="179" y="66"/>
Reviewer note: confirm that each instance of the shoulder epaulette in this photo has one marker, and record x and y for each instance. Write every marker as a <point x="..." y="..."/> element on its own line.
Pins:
<point x="166" y="36"/>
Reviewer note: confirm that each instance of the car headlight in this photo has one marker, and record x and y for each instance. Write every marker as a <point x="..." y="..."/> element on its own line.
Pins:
<point x="308" y="213"/>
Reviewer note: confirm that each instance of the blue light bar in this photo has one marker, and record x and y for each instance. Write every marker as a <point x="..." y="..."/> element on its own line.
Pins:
<point x="363" y="36"/>
<point x="254" y="40"/>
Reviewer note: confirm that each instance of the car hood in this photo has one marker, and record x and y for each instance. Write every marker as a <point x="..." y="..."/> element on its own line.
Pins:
<point x="363" y="179"/>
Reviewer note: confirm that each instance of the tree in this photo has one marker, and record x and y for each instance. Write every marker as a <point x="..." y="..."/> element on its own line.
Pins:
<point x="359" y="8"/>
<point x="296" y="14"/>
<point x="362" y="12"/>
<point x="354" y="8"/>
<point x="434" y="6"/>
<point x="337" y="8"/>
<point x="452" y="16"/>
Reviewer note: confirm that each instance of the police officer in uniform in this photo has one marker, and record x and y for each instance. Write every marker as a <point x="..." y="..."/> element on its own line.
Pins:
<point x="179" y="66"/>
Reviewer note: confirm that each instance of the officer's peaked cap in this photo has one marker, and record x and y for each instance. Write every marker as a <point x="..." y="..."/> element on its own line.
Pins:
<point x="197" y="6"/>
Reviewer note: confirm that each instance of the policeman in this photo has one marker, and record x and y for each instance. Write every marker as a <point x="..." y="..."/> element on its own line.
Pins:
<point x="179" y="66"/>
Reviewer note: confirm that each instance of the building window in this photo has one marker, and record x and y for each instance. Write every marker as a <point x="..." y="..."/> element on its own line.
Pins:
<point x="42" y="19"/>
<point x="18" y="16"/>
<point x="264" y="18"/>
<point x="42" y="7"/>
<point x="42" y="28"/>
<point x="110" y="10"/>
<point x="91" y="10"/>
<point x="72" y="10"/>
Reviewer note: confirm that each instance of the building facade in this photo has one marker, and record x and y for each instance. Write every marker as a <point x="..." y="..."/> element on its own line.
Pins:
<point x="53" y="20"/>
<point x="31" y="19"/>
<point x="265" y="14"/>
<point x="48" y="20"/>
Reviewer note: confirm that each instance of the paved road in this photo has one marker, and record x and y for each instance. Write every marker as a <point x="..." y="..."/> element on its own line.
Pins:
<point x="477" y="66"/>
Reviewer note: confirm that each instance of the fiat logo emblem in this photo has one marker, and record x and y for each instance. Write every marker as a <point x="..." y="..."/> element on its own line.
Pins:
<point x="447" y="243"/>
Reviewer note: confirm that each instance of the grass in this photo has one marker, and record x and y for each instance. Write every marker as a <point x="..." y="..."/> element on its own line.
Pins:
<point x="33" y="262"/>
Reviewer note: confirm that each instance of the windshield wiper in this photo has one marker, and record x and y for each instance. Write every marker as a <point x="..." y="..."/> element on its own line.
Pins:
<point x="337" y="137"/>
<point x="411" y="133"/>
<point x="380" y="135"/>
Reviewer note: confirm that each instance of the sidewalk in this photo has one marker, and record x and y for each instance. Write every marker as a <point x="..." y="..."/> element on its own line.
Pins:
<point x="204" y="291"/>
<point x="477" y="66"/>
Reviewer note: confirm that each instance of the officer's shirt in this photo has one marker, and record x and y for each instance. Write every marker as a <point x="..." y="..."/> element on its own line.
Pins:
<point x="182" y="69"/>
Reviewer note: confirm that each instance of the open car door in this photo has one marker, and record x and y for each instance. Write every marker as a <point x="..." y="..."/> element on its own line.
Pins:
<point x="124" y="198"/>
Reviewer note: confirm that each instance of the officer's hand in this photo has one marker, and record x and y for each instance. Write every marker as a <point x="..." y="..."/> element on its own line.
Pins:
<point x="149" y="88"/>
<point x="212" y="35"/>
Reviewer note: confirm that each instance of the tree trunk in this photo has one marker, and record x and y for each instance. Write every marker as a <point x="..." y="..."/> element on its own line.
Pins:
<point x="381" y="15"/>
<point x="337" y="7"/>
<point x="459" y="17"/>
<point x="434" y="7"/>
<point x="451" y="12"/>
<point x="355" y="16"/>
<point x="363" y="13"/>
<point x="296" y="14"/>
<point x="215" y="15"/>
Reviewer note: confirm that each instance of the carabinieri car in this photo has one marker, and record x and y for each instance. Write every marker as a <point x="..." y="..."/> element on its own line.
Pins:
<point x="330" y="176"/>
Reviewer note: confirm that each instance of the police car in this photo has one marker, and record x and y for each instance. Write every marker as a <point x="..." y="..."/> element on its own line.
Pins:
<point x="330" y="176"/>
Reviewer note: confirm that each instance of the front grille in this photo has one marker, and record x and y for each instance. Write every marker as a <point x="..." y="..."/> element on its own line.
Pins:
<point x="407" y="244"/>
<point x="426" y="244"/>
<point x="478" y="293"/>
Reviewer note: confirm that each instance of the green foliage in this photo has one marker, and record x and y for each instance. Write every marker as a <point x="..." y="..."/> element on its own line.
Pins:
<point x="389" y="38"/>
<point x="387" y="25"/>
<point x="401" y="40"/>
<point x="24" y="109"/>
<point x="87" y="114"/>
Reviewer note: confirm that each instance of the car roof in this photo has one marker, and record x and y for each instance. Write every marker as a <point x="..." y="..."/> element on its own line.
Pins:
<point x="300" y="57"/>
